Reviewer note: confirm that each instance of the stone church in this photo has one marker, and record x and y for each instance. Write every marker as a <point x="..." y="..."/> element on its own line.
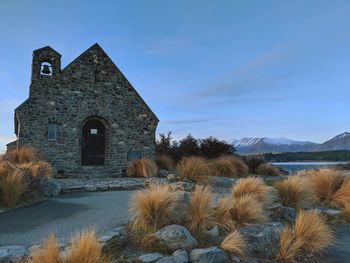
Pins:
<point x="85" y="119"/>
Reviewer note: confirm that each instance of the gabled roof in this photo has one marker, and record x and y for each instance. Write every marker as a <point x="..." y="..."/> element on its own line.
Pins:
<point x="48" y="48"/>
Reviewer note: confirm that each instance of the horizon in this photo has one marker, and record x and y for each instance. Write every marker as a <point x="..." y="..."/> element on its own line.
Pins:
<point x="234" y="70"/>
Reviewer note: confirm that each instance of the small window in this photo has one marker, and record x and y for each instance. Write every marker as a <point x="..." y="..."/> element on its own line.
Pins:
<point x="52" y="131"/>
<point x="133" y="155"/>
<point x="93" y="131"/>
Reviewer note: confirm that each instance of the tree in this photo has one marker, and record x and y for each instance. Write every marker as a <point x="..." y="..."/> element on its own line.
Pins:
<point x="163" y="145"/>
<point x="188" y="146"/>
<point x="212" y="147"/>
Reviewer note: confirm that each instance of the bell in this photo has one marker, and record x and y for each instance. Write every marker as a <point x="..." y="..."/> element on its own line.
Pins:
<point x="46" y="70"/>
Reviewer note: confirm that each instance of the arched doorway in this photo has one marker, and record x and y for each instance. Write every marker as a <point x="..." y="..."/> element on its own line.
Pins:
<point x="93" y="143"/>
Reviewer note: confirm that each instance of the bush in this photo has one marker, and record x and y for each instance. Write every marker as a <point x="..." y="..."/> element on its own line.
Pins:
<point x="212" y="147"/>
<point x="223" y="167"/>
<point x="12" y="188"/>
<point x="310" y="234"/>
<point x="341" y="198"/>
<point x="38" y="169"/>
<point x="153" y="207"/>
<point x="267" y="169"/>
<point x="234" y="244"/>
<point x="294" y="192"/>
<point x="192" y="168"/>
<point x="253" y="162"/>
<point x="198" y="210"/>
<point x="247" y="210"/>
<point x="325" y="183"/>
<point x="24" y="154"/>
<point x="164" y="162"/>
<point x="142" y="168"/>
<point x="251" y="186"/>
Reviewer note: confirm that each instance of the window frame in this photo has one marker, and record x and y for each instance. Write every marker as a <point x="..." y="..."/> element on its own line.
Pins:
<point x="54" y="125"/>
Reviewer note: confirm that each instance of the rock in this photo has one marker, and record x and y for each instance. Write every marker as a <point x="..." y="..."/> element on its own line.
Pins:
<point x="182" y="186"/>
<point x="171" y="178"/>
<point x="50" y="187"/>
<point x="262" y="239"/>
<point x="214" y="232"/>
<point x="208" y="255"/>
<point x="235" y="259"/>
<point x="170" y="259"/>
<point x="175" y="237"/>
<point x="151" y="257"/>
<point x="329" y="213"/>
<point x="181" y="256"/>
<point x="182" y="198"/>
<point x="279" y="212"/>
<point x="289" y="214"/>
<point x="14" y="252"/>
<point x="163" y="173"/>
<point x="90" y="188"/>
<point x="154" y="180"/>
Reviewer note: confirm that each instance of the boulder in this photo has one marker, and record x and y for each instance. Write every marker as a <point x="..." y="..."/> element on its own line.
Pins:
<point x="171" y="178"/>
<point x="209" y="255"/>
<point x="163" y="173"/>
<point x="181" y="256"/>
<point x="262" y="239"/>
<point x="14" y="252"/>
<point x="182" y="198"/>
<point x="329" y="213"/>
<point x="175" y="237"/>
<point x="214" y="232"/>
<point x="279" y="212"/>
<point x="49" y="187"/>
<point x="151" y="257"/>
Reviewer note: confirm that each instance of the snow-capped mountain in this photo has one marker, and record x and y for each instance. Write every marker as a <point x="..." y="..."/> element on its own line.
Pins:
<point x="279" y="145"/>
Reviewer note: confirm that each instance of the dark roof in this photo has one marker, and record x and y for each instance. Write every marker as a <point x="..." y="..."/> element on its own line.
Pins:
<point x="46" y="48"/>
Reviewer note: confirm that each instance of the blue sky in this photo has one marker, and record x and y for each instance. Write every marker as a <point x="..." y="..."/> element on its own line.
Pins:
<point x="230" y="69"/>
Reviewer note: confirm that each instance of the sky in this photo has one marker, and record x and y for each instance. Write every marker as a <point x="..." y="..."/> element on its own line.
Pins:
<point x="229" y="69"/>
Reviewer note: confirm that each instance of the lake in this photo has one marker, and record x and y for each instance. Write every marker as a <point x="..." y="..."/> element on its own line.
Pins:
<point x="297" y="166"/>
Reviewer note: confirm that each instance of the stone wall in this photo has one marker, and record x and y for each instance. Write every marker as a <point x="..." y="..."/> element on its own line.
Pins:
<point x="89" y="87"/>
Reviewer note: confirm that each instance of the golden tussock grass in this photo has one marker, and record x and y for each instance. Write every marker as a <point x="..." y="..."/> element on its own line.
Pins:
<point x="325" y="183"/>
<point x="23" y="155"/>
<point x="345" y="212"/>
<point x="309" y="234"/>
<point x="294" y="191"/>
<point x="85" y="248"/>
<point x="252" y="186"/>
<point x="221" y="215"/>
<point x="247" y="210"/>
<point x="228" y="166"/>
<point x="193" y="168"/>
<point x="234" y="244"/>
<point x="49" y="253"/>
<point x="12" y="188"/>
<point x="164" y="162"/>
<point x="267" y="169"/>
<point x="38" y="169"/>
<point x="153" y="207"/>
<point x="341" y="198"/>
<point x="142" y="168"/>
<point x="198" y="210"/>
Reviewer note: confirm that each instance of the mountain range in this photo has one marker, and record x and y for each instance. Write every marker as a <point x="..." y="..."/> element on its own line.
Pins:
<point x="279" y="145"/>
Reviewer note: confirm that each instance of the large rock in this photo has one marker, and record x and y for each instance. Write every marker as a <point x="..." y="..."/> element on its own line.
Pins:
<point x="50" y="187"/>
<point x="8" y="253"/>
<point x="179" y="256"/>
<point x="262" y="239"/>
<point x="209" y="255"/>
<point x="175" y="237"/>
<point x="182" y="198"/>
<point x="151" y="257"/>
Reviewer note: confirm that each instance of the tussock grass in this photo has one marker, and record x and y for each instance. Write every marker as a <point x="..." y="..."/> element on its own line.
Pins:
<point x="38" y="169"/>
<point x="341" y="198"/>
<point x="247" y="210"/>
<point x="325" y="183"/>
<point x="49" y="253"/>
<point x="153" y="207"/>
<point x="252" y="186"/>
<point x="346" y="212"/>
<point x="234" y="244"/>
<point x="24" y="154"/>
<point x="221" y="215"/>
<point x="228" y="166"/>
<point x="85" y="248"/>
<point x="192" y="168"/>
<point x="309" y="234"/>
<point x="164" y="162"/>
<point x="12" y="188"/>
<point x="142" y="168"/>
<point x="198" y="210"/>
<point x="267" y="169"/>
<point x="294" y="191"/>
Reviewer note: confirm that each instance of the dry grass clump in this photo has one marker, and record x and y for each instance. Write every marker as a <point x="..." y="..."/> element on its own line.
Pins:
<point x="37" y="169"/>
<point x="221" y="215"/>
<point x="228" y="166"/>
<point x="23" y="154"/>
<point x="241" y="168"/>
<point x="198" y="212"/>
<point x="142" y="168"/>
<point x="49" y="253"/>
<point x="267" y="169"/>
<point x="246" y="210"/>
<point x="293" y="191"/>
<point x="234" y="244"/>
<point x="153" y="207"/>
<point x="309" y="234"/>
<point x="346" y="212"/>
<point x="12" y="188"/>
<point x="325" y="183"/>
<point x="192" y="168"/>
<point x="252" y="186"/>
<point x="164" y="162"/>
<point x="341" y="198"/>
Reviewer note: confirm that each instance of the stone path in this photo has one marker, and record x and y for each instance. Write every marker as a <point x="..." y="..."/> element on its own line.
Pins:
<point x="101" y="184"/>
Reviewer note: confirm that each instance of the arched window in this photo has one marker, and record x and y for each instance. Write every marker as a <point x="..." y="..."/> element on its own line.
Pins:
<point x="45" y="69"/>
<point x="52" y="131"/>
